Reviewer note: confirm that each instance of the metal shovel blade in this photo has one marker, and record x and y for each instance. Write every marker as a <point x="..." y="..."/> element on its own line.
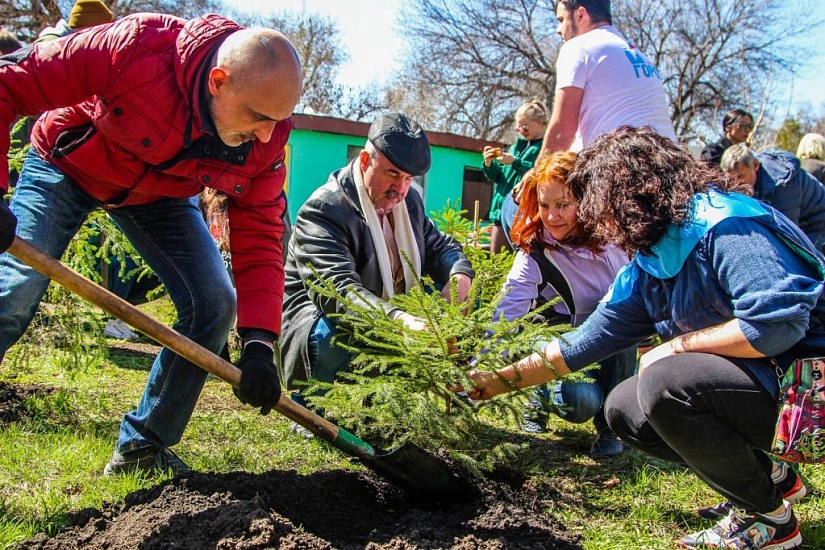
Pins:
<point x="421" y="474"/>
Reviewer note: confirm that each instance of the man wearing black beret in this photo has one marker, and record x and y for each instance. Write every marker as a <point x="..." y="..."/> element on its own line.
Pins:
<point x="352" y="231"/>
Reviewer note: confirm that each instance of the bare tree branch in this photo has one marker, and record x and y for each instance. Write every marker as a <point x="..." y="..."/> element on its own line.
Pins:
<point x="471" y="62"/>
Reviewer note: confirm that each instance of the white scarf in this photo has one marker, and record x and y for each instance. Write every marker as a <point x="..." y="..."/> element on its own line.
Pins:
<point x="404" y="238"/>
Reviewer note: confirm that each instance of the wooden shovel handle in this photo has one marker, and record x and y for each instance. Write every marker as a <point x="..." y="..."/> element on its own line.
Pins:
<point x="157" y="331"/>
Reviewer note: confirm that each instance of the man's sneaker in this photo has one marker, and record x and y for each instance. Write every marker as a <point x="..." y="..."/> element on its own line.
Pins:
<point x="607" y="444"/>
<point x="793" y="490"/>
<point x="145" y="460"/>
<point x="741" y="530"/>
<point x="297" y="429"/>
<point x="115" y="328"/>
<point x="294" y="427"/>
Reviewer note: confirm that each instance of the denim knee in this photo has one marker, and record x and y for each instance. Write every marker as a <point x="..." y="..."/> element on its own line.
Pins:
<point x="210" y="315"/>
<point x="579" y="401"/>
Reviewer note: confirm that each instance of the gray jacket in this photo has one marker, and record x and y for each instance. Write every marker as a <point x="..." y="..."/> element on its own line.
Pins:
<point x="331" y="236"/>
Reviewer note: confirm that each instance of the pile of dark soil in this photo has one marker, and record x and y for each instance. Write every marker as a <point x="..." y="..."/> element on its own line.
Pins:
<point x="12" y="397"/>
<point x="331" y="509"/>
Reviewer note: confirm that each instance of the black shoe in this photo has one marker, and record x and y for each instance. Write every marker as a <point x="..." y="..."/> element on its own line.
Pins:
<point x="145" y="460"/>
<point x="606" y="444"/>
<point x="786" y="480"/>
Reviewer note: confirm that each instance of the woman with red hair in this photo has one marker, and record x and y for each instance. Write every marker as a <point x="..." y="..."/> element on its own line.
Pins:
<point x="559" y="257"/>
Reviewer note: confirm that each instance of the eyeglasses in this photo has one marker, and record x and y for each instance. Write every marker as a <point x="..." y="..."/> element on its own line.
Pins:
<point x="744" y="125"/>
<point x="525" y="127"/>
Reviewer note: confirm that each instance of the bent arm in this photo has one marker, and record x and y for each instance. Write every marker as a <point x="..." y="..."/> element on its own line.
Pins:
<point x="564" y="121"/>
<point x="726" y="339"/>
<point x="540" y="367"/>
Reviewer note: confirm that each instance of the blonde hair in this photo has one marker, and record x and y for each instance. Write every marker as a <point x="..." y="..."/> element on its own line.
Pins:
<point x="811" y="146"/>
<point x="534" y="109"/>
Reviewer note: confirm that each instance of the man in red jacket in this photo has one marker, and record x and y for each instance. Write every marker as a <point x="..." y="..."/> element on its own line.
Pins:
<point x="138" y="117"/>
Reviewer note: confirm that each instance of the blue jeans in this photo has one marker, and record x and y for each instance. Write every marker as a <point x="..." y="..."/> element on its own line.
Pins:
<point x="173" y="239"/>
<point x="508" y="216"/>
<point x="581" y="401"/>
<point x="325" y="358"/>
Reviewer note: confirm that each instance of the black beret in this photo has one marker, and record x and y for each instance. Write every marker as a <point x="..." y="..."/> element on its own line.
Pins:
<point x="402" y="141"/>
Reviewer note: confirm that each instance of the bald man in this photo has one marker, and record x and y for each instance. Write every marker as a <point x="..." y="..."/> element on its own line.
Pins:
<point x="140" y="116"/>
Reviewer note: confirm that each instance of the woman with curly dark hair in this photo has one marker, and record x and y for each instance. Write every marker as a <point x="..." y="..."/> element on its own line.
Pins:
<point x="734" y="290"/>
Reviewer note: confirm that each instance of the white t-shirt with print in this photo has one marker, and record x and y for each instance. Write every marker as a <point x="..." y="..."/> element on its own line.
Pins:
<point x="621" y="87"/>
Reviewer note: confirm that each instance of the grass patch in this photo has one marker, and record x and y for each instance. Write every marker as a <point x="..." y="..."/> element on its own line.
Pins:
<point x="52" y="457"/>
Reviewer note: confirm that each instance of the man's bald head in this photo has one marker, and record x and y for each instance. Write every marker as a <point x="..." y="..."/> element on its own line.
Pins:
<point x="255" y="83"/>
<point x="252" y="57"/>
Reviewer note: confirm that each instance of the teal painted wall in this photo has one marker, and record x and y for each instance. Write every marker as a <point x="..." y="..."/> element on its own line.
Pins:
<point x="445" y="179"/>
<point x="314" y="155"/>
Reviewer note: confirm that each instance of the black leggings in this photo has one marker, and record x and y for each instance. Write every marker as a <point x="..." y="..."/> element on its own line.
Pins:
<point x="708" y="413"/>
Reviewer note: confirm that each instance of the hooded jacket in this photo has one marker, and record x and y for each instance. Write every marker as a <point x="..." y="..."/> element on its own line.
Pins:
<point x="695" y="278"/>
<point x="123" y="118"/>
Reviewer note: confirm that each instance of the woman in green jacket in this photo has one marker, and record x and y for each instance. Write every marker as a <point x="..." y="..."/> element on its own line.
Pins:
<point x="505" y="170"/>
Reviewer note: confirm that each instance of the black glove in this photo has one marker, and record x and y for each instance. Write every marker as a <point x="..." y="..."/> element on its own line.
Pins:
<point x="8" y="225"/>
<point x="260" y="386"/>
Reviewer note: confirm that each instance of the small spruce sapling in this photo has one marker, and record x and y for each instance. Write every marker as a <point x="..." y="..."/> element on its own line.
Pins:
<point x="398" y="386"/>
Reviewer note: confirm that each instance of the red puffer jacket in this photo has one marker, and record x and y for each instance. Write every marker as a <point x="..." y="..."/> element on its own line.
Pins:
<point x="123" y="122"/>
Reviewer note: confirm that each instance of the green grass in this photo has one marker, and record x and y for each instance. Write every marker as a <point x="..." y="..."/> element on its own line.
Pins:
<point x="51" y="459"/>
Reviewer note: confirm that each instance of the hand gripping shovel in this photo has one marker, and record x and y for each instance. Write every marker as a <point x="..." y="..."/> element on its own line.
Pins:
<point x="408" y="466"/>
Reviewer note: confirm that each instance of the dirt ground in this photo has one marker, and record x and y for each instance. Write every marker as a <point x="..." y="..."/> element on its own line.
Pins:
<point x="12" y="397"/>
<point x="282" y="509"/>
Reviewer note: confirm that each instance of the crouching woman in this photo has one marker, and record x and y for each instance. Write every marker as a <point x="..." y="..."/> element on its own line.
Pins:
<point x="733" y="288"/>
<point x="559" y="257"/>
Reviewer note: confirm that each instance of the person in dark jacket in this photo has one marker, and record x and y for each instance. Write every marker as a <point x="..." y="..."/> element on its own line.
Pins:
<point x="737" y="125"/>
<point x="777" y="178"/>
<point x="352" y="231"/>
<point x="735" y="291"/>
<point x="811" y="154"/>
<point x="138" y="117"/>
<point x="8" y="42"/>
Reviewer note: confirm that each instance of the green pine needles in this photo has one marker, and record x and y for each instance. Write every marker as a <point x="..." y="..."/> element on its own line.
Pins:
<point x="397" y="388"/>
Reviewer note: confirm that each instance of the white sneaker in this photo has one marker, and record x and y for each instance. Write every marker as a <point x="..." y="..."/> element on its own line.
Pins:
<point x="115" y="328"/>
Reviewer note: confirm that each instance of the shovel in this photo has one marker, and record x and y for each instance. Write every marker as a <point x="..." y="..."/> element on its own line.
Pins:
<point x="408" y="466"/>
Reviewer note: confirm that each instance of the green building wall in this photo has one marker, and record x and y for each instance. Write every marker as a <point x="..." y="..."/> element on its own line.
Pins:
<point x="313" y="156"/>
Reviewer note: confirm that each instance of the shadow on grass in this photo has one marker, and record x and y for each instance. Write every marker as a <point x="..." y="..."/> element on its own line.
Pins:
<point x="132" y="355"/>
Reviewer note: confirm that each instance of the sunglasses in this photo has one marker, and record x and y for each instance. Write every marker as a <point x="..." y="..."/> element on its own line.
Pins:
<point x="744" y="125"/>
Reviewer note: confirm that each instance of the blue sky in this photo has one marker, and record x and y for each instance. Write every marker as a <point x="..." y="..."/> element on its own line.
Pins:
<point x="810" y="84"/>
<point x="368" y="32"/>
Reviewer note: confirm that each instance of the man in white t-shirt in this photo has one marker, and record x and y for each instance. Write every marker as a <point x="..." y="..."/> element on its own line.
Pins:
<point x="602" y="80"/>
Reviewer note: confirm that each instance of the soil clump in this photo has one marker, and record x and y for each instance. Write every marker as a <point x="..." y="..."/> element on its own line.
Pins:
<point x="343" y="509"/>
